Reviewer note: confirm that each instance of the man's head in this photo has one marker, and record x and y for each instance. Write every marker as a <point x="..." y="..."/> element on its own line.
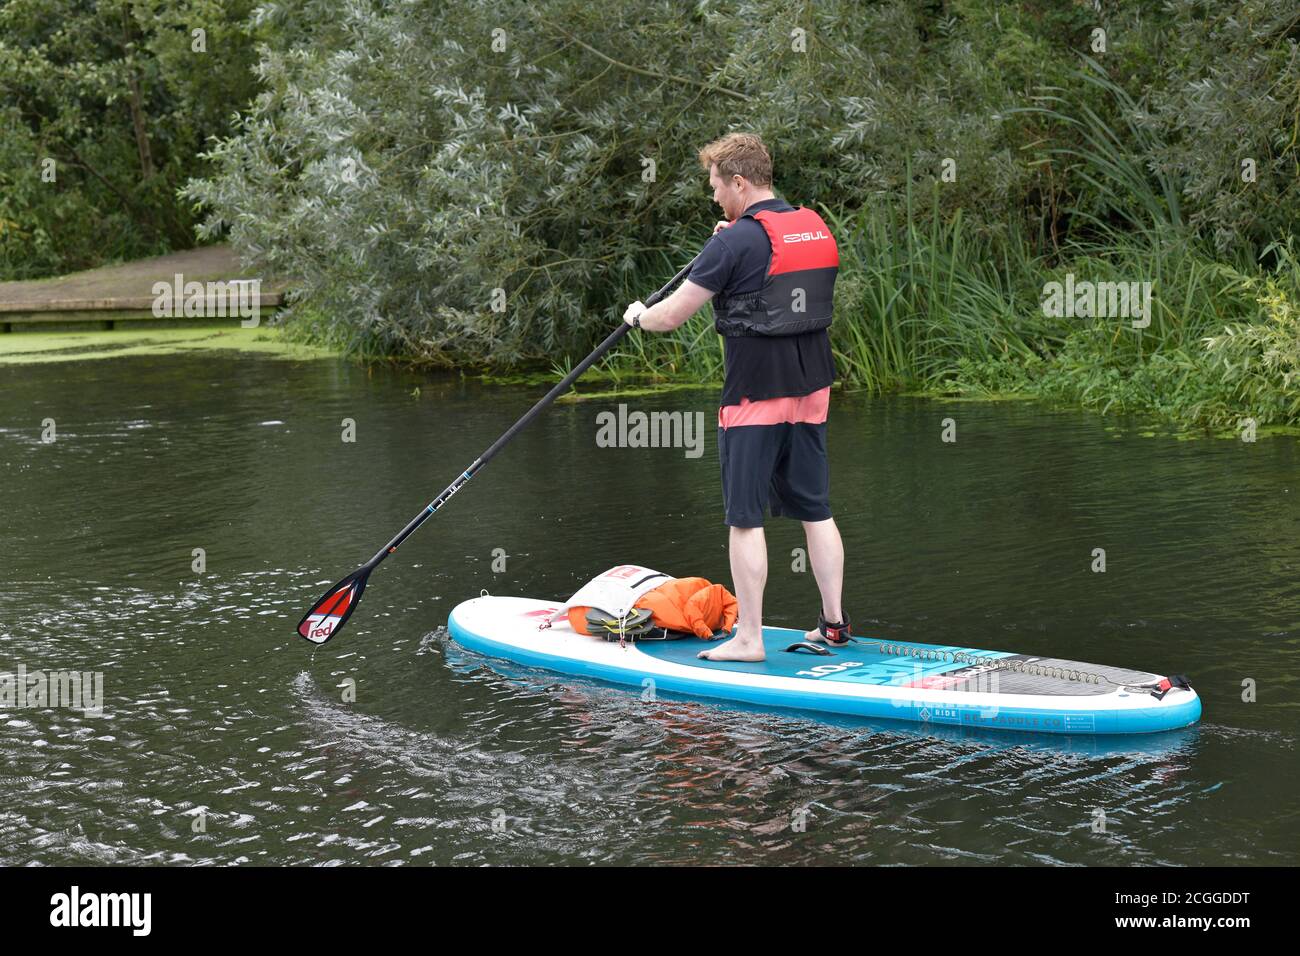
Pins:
<point x="740" y="172"/>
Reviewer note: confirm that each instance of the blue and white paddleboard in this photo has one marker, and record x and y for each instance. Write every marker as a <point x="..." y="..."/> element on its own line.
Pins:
<point x="928" y="683"/>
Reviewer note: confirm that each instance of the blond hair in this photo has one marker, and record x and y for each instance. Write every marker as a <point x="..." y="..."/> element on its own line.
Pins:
<point x="739" y="154"/>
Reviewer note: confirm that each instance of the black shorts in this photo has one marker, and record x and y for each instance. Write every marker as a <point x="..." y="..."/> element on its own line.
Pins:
<point x="781" y="466"/>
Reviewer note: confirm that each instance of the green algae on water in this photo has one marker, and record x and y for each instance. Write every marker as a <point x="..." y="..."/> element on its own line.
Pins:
<point x="28" y="348"/>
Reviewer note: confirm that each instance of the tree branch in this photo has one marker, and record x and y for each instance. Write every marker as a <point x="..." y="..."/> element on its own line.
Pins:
<point x="650" y="73"/>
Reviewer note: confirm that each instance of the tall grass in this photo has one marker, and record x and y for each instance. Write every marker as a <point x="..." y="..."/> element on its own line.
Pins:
<point x="1111" y="155"/>
<point x="916" y="297"/>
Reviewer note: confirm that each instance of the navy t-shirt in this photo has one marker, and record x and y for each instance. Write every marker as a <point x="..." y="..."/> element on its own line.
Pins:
<point x="734" y="262"/>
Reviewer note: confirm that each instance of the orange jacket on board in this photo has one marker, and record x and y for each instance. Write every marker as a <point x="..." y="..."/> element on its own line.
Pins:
<point x="690" y="605"/>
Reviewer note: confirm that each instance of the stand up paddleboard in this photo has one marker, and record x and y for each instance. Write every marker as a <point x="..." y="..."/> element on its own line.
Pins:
<point x="900" y="680"/>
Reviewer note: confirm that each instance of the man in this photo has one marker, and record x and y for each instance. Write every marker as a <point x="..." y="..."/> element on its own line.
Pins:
<point x="772" y="268"/>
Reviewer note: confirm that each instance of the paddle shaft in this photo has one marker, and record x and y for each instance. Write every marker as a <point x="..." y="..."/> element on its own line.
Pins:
<point x="560" y="388"/>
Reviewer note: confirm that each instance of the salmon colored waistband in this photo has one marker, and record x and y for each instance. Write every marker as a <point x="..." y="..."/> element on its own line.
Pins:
<point x="808" y="409"/>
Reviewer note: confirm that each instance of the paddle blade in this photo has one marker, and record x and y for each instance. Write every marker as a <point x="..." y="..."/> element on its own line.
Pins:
<point x="331" y="612"/>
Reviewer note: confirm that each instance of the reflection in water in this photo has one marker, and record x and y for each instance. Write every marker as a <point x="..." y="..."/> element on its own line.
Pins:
<point x="748" y="774"/>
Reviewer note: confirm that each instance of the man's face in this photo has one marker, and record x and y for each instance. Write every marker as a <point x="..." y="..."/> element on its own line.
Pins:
<point x="725" y="193"/>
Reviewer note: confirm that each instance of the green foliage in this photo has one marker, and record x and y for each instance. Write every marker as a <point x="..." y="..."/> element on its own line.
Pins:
<point x="1257" y="364"/>
<point x="1250" y="370"/>
<point x="1231" y="93"/>
<point x="1105" y="149"/>
<point x="915" y="298"/>
<point x="418" y="165"/>
<point x="111" y="92"/>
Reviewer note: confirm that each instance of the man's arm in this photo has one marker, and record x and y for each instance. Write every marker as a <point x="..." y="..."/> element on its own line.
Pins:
<point x="671" y="312"/>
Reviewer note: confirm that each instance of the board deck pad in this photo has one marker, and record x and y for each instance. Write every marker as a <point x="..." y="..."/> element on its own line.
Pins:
<point x="871" y="678"/>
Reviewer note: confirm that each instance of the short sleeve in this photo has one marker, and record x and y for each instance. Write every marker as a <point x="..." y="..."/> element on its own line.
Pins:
<point x="714" y="268"/>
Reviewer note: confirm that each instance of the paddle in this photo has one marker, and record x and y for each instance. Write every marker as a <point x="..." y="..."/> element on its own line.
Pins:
<point x="328" y="615"/>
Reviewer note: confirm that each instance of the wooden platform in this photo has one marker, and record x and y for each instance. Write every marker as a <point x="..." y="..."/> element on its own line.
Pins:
<point x="101" y="298"/>
<point x="106" y="313"/>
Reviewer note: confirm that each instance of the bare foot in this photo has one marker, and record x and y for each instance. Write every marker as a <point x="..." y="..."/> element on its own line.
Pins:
<point x="737" y="649"/>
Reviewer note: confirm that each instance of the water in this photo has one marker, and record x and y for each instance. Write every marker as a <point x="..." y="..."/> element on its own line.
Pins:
<point x="226" y="739"/>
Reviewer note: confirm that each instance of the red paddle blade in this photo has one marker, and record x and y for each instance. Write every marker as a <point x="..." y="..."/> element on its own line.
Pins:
<point x="331" y="612"/>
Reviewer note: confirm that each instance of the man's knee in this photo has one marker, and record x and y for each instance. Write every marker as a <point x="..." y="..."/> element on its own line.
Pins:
<point x="821" y="523"/>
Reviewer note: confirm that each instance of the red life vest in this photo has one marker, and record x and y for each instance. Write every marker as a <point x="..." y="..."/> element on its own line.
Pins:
<point x="797" y="293"/>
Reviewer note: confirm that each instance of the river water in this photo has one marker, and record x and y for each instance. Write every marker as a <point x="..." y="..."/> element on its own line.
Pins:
<point x="225" y="739"/>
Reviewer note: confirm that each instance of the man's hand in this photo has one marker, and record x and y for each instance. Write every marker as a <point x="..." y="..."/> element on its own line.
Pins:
<point x="633" y="310"/>
<point x="721" y="226"/>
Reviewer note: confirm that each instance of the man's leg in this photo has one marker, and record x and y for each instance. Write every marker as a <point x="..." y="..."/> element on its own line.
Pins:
<point x="748" y="551"/>
<point x="826" y="552"/>
<point x="801" y="489"/>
